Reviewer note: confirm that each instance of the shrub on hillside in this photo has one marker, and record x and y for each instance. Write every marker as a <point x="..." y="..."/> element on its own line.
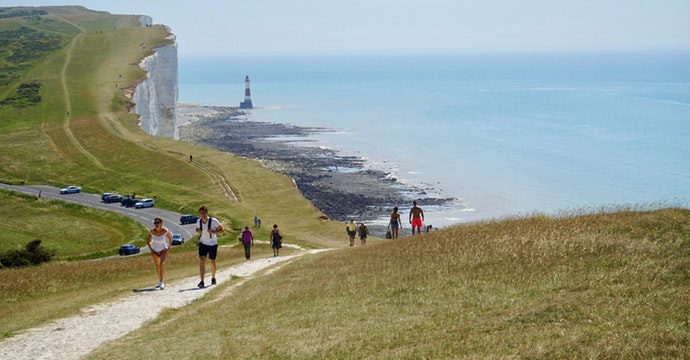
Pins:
<point x="26" y="95"/>
<point x="32" y="254"/>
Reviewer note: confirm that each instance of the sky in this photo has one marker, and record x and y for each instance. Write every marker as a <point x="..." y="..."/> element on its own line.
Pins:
<point x="255" y="27"/>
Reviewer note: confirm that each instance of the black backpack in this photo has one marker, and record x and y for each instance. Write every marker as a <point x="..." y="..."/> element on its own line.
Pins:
<point x="201" y="225"/>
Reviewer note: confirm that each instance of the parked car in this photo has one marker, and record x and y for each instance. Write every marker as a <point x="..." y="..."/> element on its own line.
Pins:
<point x="144" y="203"/>
<point x="128" y="201"/>
<point x="129" y="249"/>
<point x="70" y="190"/>
<point x="105" y="195"/>
<point x="188" y="219"/>
<point x="177" y="239"/>
<point x="112" y="198"/>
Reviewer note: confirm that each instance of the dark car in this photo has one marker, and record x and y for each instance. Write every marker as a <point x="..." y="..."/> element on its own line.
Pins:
<point x="112" y="198"/>
<point x="129" y="249"/>
<point x="128" y="201"/>
<point x="188" y="219"/>
<point x="105" y="195"/>
<point x="177" y="239"/>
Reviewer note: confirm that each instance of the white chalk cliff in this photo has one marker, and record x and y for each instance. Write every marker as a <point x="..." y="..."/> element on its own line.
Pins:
<point x="155" y="97"/>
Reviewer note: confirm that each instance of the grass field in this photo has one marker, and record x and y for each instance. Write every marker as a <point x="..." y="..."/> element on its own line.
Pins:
<point x="590" y="286"/>
<point x="610" y="284"/>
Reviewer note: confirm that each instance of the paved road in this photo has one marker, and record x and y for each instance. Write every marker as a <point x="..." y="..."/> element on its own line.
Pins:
<point x="171" y="220"/>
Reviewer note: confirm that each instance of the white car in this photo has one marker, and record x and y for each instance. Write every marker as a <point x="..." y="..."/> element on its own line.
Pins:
<point x="70" y="190"/>
<point x="177" y="239"/>
<point x="144" y="203"/>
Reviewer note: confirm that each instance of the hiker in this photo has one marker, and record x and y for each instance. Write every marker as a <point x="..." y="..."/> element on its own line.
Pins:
<point x="363" y="232"/>
<point x="351" y="230"/>
<point x="416" y="217"/>
<point x="276" y="240"/>
<point x="247" y="241"/>
<point x="159" y="241"/>
<point x="208" y="229"/>
<point x="394" y="223"/>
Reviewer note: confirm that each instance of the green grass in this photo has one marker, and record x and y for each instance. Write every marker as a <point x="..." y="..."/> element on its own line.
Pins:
<point x="590" y="286"/>
<point x="72" y="231"/>
<point x="606" y="284"/>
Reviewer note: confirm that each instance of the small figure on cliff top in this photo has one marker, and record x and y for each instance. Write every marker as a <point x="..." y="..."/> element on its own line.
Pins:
<point x="363" y="233"/>
<point x="416" y="217"/>
<point x="394" y="223"/>
<point x="276" y="240"/>
<point x="351" y="230"/>
<point x="247" y="242"/>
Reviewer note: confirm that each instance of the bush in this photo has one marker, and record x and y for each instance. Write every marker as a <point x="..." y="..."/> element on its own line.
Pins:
<point x="26" y="95"/>
<point x="32" y="254"/>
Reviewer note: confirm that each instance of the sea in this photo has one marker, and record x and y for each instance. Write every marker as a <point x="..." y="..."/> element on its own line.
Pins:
<point x="504" y="135"/>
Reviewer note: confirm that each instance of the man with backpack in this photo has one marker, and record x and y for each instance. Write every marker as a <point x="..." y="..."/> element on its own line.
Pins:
<point x="208" y="229"/>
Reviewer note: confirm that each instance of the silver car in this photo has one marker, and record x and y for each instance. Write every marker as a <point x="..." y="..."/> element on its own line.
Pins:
<point x="144" y="203"/>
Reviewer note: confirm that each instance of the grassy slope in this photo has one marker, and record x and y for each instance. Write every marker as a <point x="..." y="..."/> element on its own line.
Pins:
<point x="591" y="286"/>
<point x="100" y="146"/>
<point x="587" y="286"/>
<point x="41" y="144"/>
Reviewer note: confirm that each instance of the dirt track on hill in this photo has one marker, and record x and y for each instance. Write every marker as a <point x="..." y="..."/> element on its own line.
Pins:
<point x="76" y="336"/>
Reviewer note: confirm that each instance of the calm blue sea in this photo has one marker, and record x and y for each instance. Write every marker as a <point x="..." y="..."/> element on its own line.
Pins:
<point x="504" y="134"/>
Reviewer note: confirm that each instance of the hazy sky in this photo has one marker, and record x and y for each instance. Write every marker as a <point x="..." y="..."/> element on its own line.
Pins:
<point x="337" y="26"/>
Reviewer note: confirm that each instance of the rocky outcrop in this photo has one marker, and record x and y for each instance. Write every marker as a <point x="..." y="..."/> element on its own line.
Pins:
<point x="155" y="97"/>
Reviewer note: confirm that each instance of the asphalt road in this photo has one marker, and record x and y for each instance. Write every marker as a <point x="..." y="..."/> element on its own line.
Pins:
<point x="171" y="220"/>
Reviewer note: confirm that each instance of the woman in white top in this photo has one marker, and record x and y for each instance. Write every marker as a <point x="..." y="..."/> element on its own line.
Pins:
<point x="160" y="241"/>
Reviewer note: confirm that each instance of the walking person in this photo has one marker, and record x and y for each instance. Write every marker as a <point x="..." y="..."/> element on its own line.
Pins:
<point x="247" y="241"/>
<point x="416" y="217"/>
<point x="208" y="229"/>
<point x="394" y="223"/>
<point x="159" y="241"/>
<point x="351" y="230"/>
<point x="276" y="240"/>
<point x="363" y="233"/>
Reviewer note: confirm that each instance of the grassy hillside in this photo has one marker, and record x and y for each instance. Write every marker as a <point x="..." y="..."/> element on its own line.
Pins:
<point x="62" y="227"/>
<point x="81" y="131"/>
<point x="591" y="286"/>
<point x="609" y="285"/>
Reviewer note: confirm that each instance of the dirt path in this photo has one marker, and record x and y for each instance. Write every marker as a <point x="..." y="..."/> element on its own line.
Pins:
<point x="68" y="105"/>
<point x="76" y="336"/>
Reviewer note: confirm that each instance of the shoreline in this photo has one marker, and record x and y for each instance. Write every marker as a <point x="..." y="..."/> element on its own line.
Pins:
<point x="339" y="186"/>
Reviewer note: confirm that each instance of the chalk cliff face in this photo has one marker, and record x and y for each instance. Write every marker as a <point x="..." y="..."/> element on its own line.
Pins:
<point x="156" y="96"/>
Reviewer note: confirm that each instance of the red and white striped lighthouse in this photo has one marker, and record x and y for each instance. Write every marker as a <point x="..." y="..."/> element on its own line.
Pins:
<point x="247" y="103"/>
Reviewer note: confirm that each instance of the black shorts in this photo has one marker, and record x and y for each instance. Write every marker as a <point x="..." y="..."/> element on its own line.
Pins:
<point x="208" y="250"/>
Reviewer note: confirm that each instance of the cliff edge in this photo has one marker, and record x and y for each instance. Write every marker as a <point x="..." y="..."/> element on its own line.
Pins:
<point x="155" y="97"/>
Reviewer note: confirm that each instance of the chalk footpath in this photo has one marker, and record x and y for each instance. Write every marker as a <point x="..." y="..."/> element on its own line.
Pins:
<point x="76" y="336"/>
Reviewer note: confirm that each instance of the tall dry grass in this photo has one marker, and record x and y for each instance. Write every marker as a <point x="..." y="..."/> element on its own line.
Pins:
<point x="608" y="285"/>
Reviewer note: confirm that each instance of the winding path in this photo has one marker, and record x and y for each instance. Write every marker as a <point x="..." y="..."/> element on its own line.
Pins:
<point x="76" y="336"/>
<point x="68" y="105"/>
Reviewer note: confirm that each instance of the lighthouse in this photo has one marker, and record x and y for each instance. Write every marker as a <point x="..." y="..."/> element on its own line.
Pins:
<point x="247" y="103"/>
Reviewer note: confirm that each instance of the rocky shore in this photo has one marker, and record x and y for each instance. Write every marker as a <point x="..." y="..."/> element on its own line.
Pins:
<point x="340" y="186"/>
